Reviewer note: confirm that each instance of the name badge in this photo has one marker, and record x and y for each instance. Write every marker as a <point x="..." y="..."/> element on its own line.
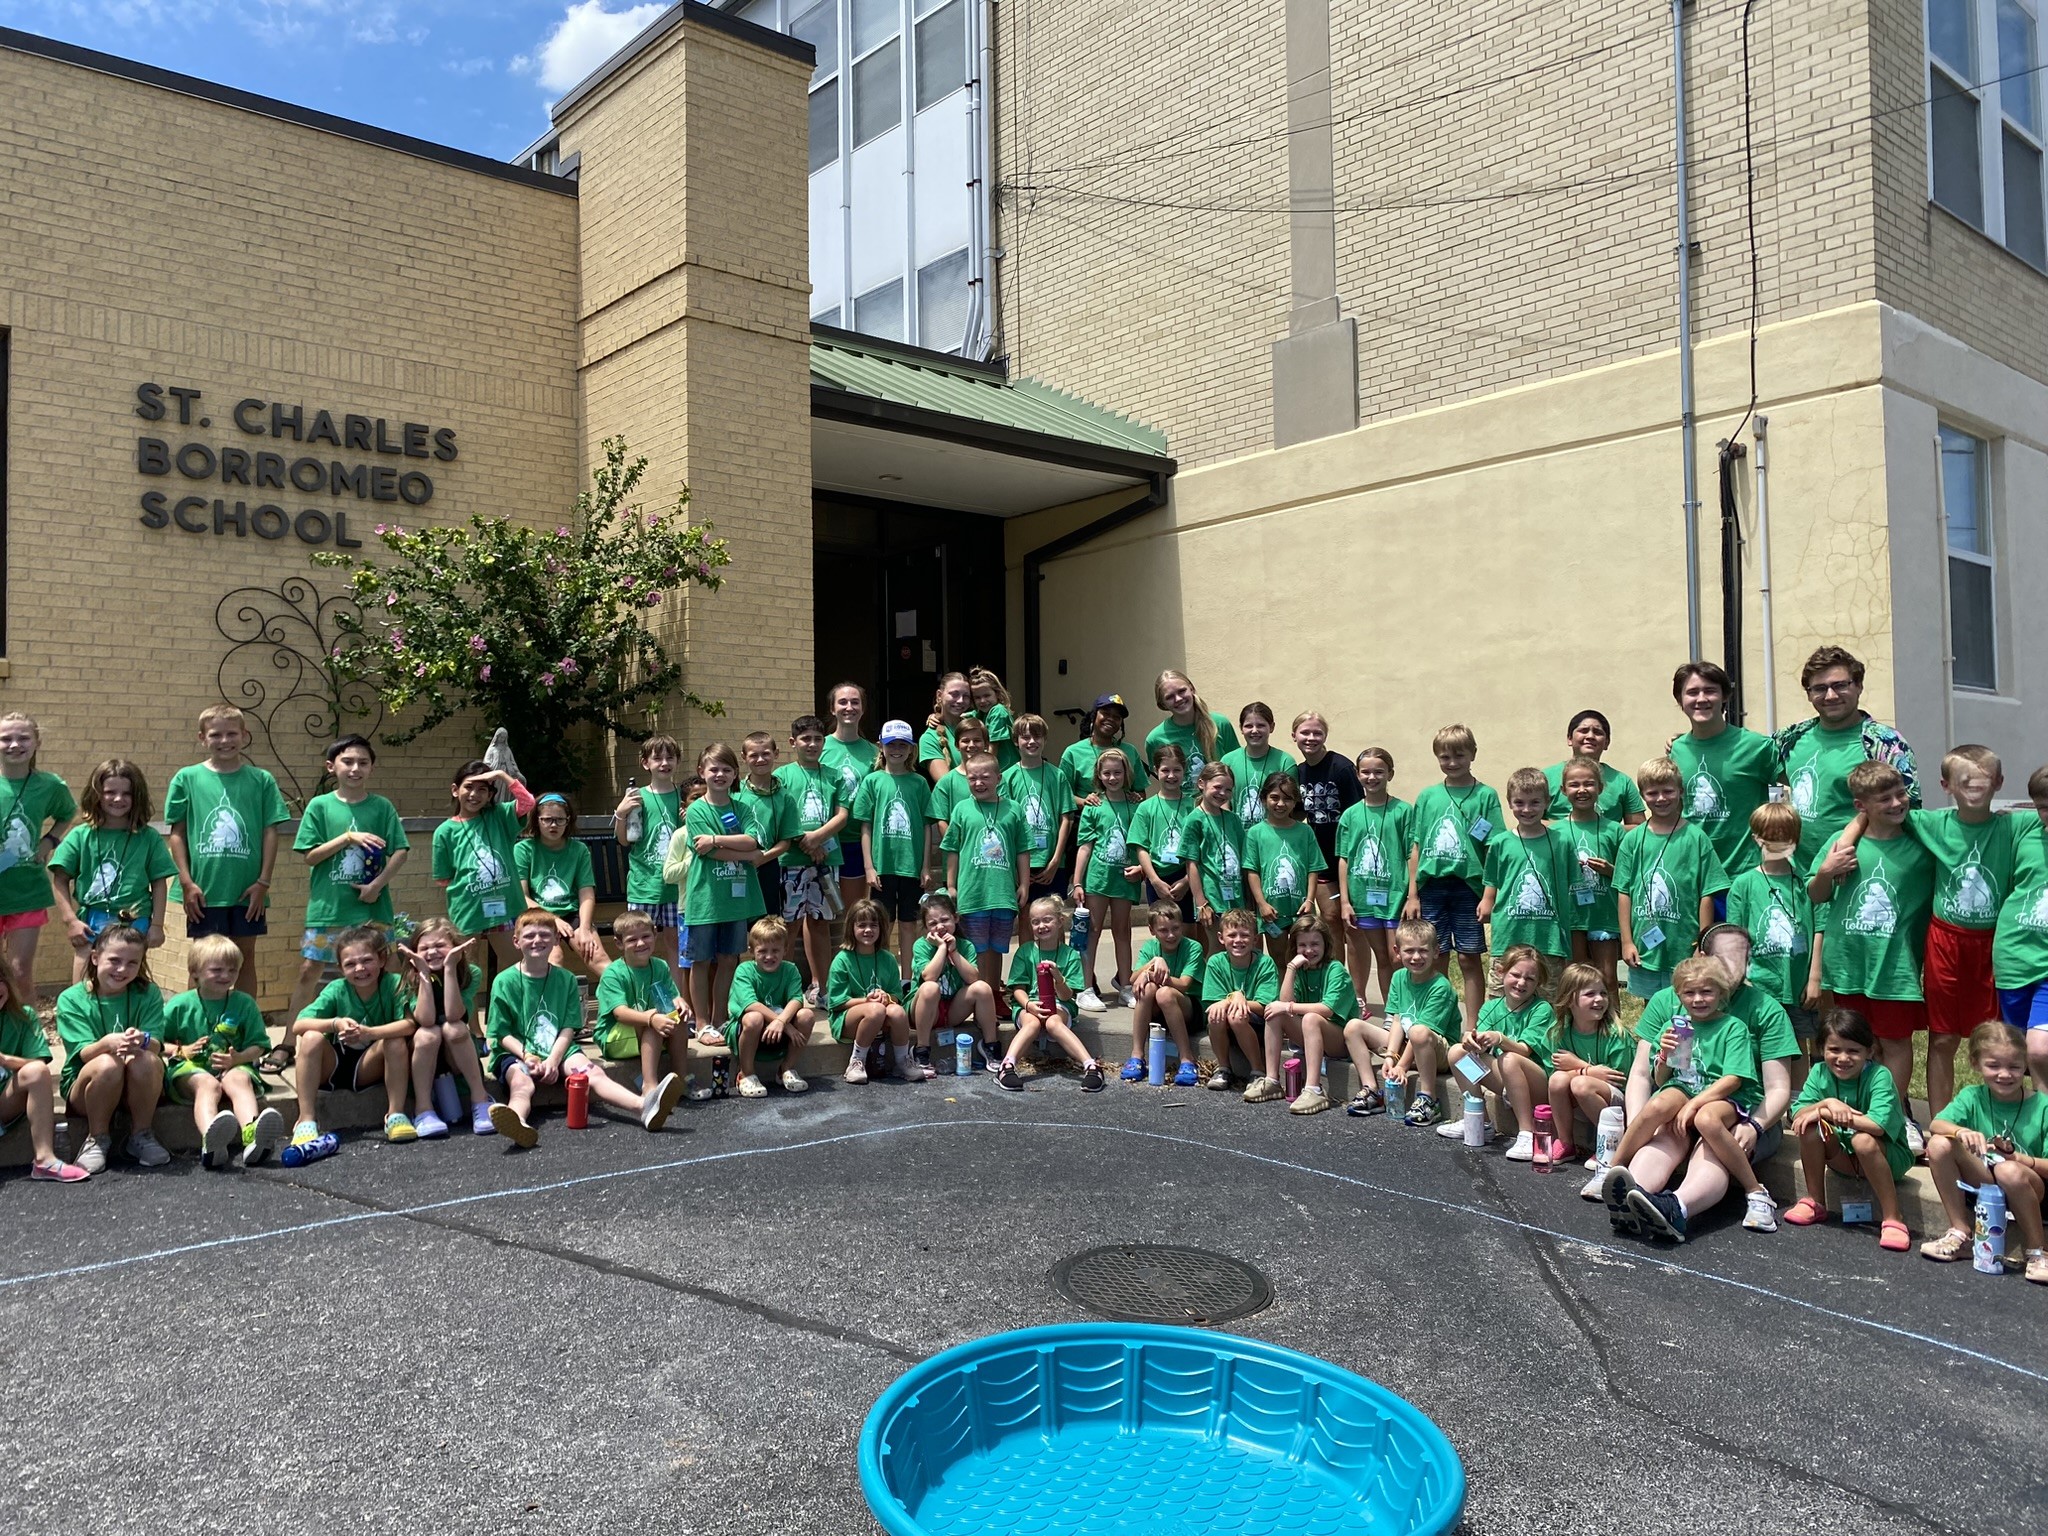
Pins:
<point x="1375" y="898"/>
<point x="1650" y="938"/>
<point x="739" y="889"/>
<point x="1585" y="898"/>
<point x="1480" y="829"/>
<point x="494" y="909"/>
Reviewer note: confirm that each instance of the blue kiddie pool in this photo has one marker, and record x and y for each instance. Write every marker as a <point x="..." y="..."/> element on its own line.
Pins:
<point x="1132" y="1428"/>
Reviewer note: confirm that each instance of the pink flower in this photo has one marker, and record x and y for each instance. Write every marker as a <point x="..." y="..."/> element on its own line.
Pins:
<point x="420" y="670"/>
<point x="547" y="679"/>
<point x="561" y="531"/>
<point x="654" y="521"/>
<point x="483" y="673"/>
<point x="653" y="598"/>
<point x="703" y="571"/>
<point x="378" y="529"/>
<point x="567" y="666"/>
<point x="390" y="599"/>
<point x="476" y="643"/>
<point x="626" y="582"/>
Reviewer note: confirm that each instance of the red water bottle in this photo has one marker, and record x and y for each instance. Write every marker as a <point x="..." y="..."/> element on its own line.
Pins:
<point x="579" y="1099"/>
<point x="1048" y="1000"/>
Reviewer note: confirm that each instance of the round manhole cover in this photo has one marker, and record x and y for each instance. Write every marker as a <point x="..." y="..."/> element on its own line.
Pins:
<point x="1155" y="1283"/>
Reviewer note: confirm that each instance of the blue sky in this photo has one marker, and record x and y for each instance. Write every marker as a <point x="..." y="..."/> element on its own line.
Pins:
<point x="455" y="71"/>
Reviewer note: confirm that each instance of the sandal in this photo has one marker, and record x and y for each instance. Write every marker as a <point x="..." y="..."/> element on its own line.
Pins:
<point x="1947" y="1248"/>
<point x="1367" y="1101"/>
<point x="275" y="1060"/>
<point x="1805" y="1212"/>
<point x="1893" y="1237"/>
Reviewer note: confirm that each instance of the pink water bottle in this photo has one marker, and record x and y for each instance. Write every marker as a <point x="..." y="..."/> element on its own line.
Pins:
<point x="1048" y="1000"/>
<point x="1544" y="1152"/>
<point x="1293" y="1073"/>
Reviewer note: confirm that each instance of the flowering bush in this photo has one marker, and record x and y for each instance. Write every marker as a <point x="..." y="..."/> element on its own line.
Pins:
<point x="540" y="631"/>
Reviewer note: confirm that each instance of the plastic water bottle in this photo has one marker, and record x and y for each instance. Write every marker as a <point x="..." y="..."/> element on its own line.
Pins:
<point x="1475" y="1121"/>
<point x="1048" y="999"/>
<point x="577" y="1081"/>
<point x="1078" y="934"/>
<point x="447" y="1104"/>
<point x="1607" y="1135"/>
<point x="1681" y="1048"/>
<point x="1395" y="1092"/>
<point x="1987" y="1252"/>
<point x="300" y="1153"/>
<point x="1293" y="1073"/>
<point x="636" y="817"/>
<point x="1155" y="1057"/>
<point x="963" y="1054"/>
<point x="1543" y="1136"/>
<point x="721" y="1076"/>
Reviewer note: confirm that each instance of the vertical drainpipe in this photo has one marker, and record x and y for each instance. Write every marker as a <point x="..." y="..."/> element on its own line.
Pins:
<point x="979" y="341"/>
<point x="1687" y="426"/>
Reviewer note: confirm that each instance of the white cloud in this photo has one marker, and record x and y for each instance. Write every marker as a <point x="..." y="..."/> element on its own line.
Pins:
<point x="464" y="66"/>
<point x="584" y="38"/>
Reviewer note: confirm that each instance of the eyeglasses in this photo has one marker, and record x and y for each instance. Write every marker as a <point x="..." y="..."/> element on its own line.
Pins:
<point x="1822" y="690"/>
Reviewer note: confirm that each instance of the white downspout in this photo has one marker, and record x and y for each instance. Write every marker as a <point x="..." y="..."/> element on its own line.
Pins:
<point x="979" y="341"/>
<point x="1763" y="545"/>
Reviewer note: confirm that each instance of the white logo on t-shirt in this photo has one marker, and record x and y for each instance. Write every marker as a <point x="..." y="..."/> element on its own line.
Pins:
<point x="350" y="867"/>
<point x="544" y="1031"/>
<point x="1805" y="790"/>
<point x="897" y="822"/>
<point x="1286" y="877"/>
<point x="1876" y="909"/>
<point x="1780" y="936"/>
<point x="1112" y="849"/>
<point x="993" y="852"/>
<point x="1658" y="898"/>
<point x="1974" y="897"/>
<point x="2036" y="914"/>
<point x="1531" y="899"/>
<point x="106" y="879"/>
<point x="489" y="871"/>
<point x="224" y="836"/>
<point x="1447" y="842"/>
<point x="1230" y="865"/>
<point x="1707" y="802"/>
<point x="552" y="890"/>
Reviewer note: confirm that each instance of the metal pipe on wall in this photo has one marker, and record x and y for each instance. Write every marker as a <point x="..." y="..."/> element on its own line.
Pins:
<point x="1763" y="563"/>
<point x="979" y="340"/>
<point x="1687" y="426"/>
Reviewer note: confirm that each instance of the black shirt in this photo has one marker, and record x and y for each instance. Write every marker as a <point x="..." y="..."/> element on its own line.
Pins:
<point x="1328" y="789"/>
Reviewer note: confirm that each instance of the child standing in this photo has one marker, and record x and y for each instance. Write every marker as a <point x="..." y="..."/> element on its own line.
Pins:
<point x="112" y="1025"/>
<point x="1043" y="797"/>
<point x="1252" y="764"/>
<point x="1993" y="1132"/>
<point x="992" y="703"/>
<point x="355" y="845"/>
<point x="1108" y="874"/>
<point x="1103" y="729"/>
<point x="1449" y="832"/>
<point x="938" y="752"/>
<point x="722" y="896"/>
<point x="1527" y="872"/>
<point x="865" y="994"/>
<point x="1200" y="732"/>
<point x="988" y="868"/>
<point x="1595" y="840"/>
<point x="444" y="1010"/>
<point x="213" y="1038"/>
<point x="1237" y="984"/>
<point x="1589" y="736"/>
<point x="1167" y="989"/>
<point x="474" y="862"/>
<point x="971" y="739"/>
<point x="1513" y="1043"/>
<point x="770" y="1021"/>
<point x="1155" y="836"/>
<point x="948" y="987"/>
<point x="892" y="811"/>
<point x="27" y="1087"/>
<point x="1282" y="863"/>
<point x="358" y="1033"/>
<point x="556" y="875"/>
<point x="1848" y="1119"/>
<point x="2019" y="947"/>
<point x="1212" y="848"/>
<point x="1315" y="1003"/>
<point x="113" y="866"/>
<point x="643" y="822"/>
<point x="1329" y="788"/>
<point x="640" y="1013"/>
<point x="35" y="808"/>
<point x="1768" y="900"/>
<point x="762" y="797"/>
<point x="1375" y="872"/>
<point x="810" y="867"/>
<point x="853" y="758"/>
<point x="1665" y="879"/>
<point x="224" y="814"/>
<point x="1048" y="955"/>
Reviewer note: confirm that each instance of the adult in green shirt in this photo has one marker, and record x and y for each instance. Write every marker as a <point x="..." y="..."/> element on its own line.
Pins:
<point x="224" y="814"/>
<point x="1589" y="735"/>
<point x="853" y="757"/>
<point x="1105" y="729"/>
<point x="35" y="808"/>
<point x="1200" y="732"/>
<point x="1727" y="770"/>
<point x="355" y="845"/>
<point x="1815" y="756"/>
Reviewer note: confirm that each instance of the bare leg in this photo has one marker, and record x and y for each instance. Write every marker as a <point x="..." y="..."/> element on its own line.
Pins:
<point x="1941" y="1071"/>
<point x="1883" y="1188"/>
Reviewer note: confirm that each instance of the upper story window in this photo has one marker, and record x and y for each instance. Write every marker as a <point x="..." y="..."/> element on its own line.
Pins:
<point x="1966" y="508"/>
<point x="1985" y="147"/>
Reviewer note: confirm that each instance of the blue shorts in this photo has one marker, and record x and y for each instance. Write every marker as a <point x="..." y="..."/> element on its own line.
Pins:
<point x="506" y="1067"/>
<point x="231" y="922"/>
<point x="1375" y="924"/>
<point x="662" y="914"/>
<point x="1452" y="907"/>
<point x="2024" y="1007"/>
<point x="1602" y="936"/>
<point x="713" y="941"/>
<point x="682" y="946"/>
<point x="852" y="864"/>
<point x="98" y="920"/>
<point x="1721" y="907"/>
<point x="989" y="931"/>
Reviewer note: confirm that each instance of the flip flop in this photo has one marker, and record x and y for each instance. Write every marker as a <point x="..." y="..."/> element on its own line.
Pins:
<point x="1893" y="1237"/>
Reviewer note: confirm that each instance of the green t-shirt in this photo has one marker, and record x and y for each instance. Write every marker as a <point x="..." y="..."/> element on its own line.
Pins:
<point x="1721" y="1047"/>
<point x="817" y="794"/>
<point x="949" y="792"/>
<point x="2019" y="947"/>
<point x="1023" y="971"/>
<point x="1106" y="832"/>
<point x="475" y="857"/>
<point x="1330" y="985"/>
<point x="1972" y="865"/>
<point x="1284" y="859"/>
<point x="852" y="760"/>
<point x="386" y="1003"/>
<point x="854" y="975"/>
<point x="1184" y="963"/>
<point x="29" y="807"/>
<point x="1529" y="1024"/>
<point x="1726" y="777"/>
<point x="113" y="868"/>
<point x="1591" y="907"/>
<point x="1248" y="779"/>
<point x="1041" y="798"/>
<point x="1433" y="1003"/>
<point x="649" y="988"/>
<point x="1614" y="1048"/>
<point x="1258" y="979"/>
<point x="1665" y="877"/>
<point x="2025" y="1120"/>
<point x="661" y="812"/>
<point x="895" y="808"/>
<point x="1450" y="829"/>
<point x="1077" y="763"/>
<point x="331" y="885"/>
<point x="989" y="837"/>
<point x="83" y="1018"/>
<point x="1817" y="769"/>
<point x="535" y="1011"/>
<point x="949" y="979"/>
<point x="721" y="889"/>
<point x="1372" y="844"/>
<point x="1777" y="914"/>
<point x="1530" y="877"/>
<point x="1870" y="1092"/>
<point x="1618" y="799"/>
<point x="1167" y="734"/>
<point x="1877" y="922"/>
<point x="555" y="877"/>
<point x="224" y="816"/>
<point x="190" y="1018"/>
<point x="1770" y="1029"/>
<point x="1155" y="827"/>
<point x="774" y="990"/>
<point x="937" y="743"/>
<point x="21" y="1036"/>
<point x="1214" y="843"/>
<point x="1002" y="739"/>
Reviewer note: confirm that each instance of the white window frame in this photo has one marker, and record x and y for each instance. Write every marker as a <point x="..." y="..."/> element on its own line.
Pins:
<point x="1985" y="516"/>
<point x="1988" y="91"/>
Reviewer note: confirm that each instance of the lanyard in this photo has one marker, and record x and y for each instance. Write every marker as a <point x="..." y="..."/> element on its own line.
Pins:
<point x="1459" y="803"/>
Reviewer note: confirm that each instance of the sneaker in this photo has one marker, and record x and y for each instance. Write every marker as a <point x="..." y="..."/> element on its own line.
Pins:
<point x="1591" y="1189"/>
<point x="1367" y="1102"/>
<point x="1310" y="1101"/>
<point x="658" y="1101"/>
<point x="1522" y="1149"/>
<point x="57" y="1171"/>
<point x="447" y="1102"/>
<point x="506" y="1122"/>
<point x="1187" y="1076"/>
<point x="1006" y="1076"/>
<point x="1660" y="1213"/>
<point x="397" y="1128"/>
<point x="1452" y="1130"/>
<point x="1091" y="1077"/>
<point x="1219" y="1081"/>
<point x="1262" y="1090"/>
<point x="698" y="1093"/>
<point x="991" y="1053"/>
<point x="1616" y="1185"/>
<point x="812" y="997"/>
<point x="751" y="1087"/>
<point x="147" y="1150"/>
<point x="305" y="1131"/>
<point x="921" y="1066"/>
<point x="1090" y="1001"/>
<point x="263" y="1138"/>
<point x="92" y="1154"/>
<point x="221" y="1139"/>
<point x="480" y="1123"/>
<point x="857" y="1068"/>
<point x="1916" y="1139"/>
<point x="1421" y="1111"/>
<point x="1125" y="997"/>
<point x="793" y="1082"/>
<point x="1134" y="1071"/>
<point x="1760" y="1211"/>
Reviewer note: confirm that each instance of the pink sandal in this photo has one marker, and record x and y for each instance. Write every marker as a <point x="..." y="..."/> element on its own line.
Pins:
<point x="1893" y="1237"/>
<point x="1806" y="1212"/>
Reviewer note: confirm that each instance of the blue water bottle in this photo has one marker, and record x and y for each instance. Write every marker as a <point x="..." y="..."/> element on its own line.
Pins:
<point x="1987" y="1248"/>
<point x="963" y="1054"/>
<point x="1079" y="935"/>
<point x="299" y="1153"/>
<point x="1155" y="1061"/>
